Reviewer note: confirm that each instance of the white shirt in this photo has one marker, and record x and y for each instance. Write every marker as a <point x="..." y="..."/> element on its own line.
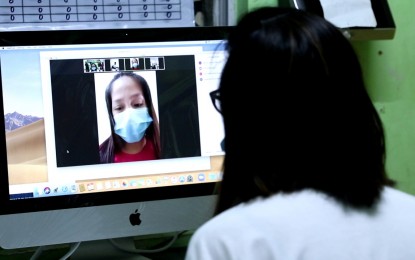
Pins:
<point x="308" y="225"/>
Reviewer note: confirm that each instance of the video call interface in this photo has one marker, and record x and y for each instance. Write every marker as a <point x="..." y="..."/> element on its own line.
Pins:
<point x="56" y="117"/>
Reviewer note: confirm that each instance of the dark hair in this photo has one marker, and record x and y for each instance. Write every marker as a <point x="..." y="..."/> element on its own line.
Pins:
<point x="296" y="113"/>
<point x="114" y="143"/>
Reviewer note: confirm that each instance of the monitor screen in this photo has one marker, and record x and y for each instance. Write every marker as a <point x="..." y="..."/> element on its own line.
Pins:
<point x="61" y="180"/>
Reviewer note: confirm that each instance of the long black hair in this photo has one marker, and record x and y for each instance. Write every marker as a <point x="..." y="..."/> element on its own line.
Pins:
<point x="296" y="113"/>
<point x="114" y="143"/>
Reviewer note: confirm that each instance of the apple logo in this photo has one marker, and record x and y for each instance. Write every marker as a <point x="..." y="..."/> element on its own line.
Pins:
<point x="135" y="218"/>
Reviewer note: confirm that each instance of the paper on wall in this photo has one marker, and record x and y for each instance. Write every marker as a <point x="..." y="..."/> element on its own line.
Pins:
<point x="81" y="15"/>
<point x="349" y="13"/>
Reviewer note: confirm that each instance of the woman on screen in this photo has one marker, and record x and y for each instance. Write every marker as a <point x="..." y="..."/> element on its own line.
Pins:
<point x="135" y="134"/>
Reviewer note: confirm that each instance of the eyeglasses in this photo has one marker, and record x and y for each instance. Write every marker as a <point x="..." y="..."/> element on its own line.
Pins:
<point x="216" y="100"/>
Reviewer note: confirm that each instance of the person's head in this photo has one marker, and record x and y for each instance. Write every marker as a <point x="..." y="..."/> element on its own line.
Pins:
<point x="128" y="95"/>
<point x="296" y="112"/>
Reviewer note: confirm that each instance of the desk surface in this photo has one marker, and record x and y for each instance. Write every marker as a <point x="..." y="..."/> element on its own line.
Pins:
<point x="103" y="249"/>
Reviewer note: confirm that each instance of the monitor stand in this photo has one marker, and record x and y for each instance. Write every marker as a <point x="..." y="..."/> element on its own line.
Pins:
<point x="104" y="249"/>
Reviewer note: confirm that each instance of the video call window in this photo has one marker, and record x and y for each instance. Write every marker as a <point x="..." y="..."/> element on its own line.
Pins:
<point x="77" y="121"/>
<point x="75" y="112"/>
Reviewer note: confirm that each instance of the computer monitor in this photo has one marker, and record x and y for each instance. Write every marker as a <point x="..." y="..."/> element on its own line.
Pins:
<point x="54" y="188"/>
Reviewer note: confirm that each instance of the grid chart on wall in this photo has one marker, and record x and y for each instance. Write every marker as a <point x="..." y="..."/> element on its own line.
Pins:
<point x="75" y="14"/>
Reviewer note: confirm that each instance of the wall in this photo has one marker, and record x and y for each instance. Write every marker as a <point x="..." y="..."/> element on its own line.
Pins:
<point x="390" y="79"/>
<point x="389" y="68"/>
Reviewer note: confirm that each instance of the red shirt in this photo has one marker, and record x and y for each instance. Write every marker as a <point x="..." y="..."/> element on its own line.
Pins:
<point x="147" y="153"/>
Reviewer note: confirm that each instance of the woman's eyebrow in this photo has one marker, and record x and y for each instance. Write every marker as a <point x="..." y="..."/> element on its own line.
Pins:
<point x="137" y="96"/>
<point x="118" y="100"/>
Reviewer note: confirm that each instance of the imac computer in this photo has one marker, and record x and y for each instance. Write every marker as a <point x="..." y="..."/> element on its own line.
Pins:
<point x="55" y="189"/>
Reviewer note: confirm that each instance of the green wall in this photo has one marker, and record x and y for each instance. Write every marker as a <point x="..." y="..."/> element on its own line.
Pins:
<point x="390" y="80"/>
<point x="389" y="68"/>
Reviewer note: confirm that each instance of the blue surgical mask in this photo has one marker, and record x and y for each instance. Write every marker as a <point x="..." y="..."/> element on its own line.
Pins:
<point x="132" y="123"/>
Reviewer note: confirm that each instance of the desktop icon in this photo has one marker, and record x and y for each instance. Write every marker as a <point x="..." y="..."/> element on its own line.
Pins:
<point x="99" y="186"/>
<point x="90" y="186"/>
<point x="173" y="179"/>
<point x="141" y="182"/>
<point x="65" y="189"/>
<point x="46" y="190"/>
<point x="201" y="177"/>
<point x="115" y="184"/>
<point x="166" y="179"/>
<point x="135" y="218"/>
<point x="82" y="187"/>
<point x="213" y="176"/>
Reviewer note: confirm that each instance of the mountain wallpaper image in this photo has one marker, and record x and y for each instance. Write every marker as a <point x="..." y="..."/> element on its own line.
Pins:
<point x="15" y="120"/>
<point x="26" y="148"/>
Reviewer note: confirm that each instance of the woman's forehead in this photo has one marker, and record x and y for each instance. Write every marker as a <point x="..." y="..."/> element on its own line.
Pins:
<point x="126" y="83"/>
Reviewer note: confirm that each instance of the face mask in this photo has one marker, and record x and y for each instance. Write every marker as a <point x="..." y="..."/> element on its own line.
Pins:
<point x="132" y="123"/>
<point x="135" y="65"/>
